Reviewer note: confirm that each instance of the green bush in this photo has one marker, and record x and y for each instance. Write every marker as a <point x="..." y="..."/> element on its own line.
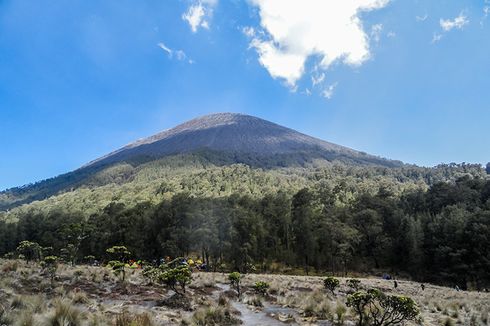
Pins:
<point x="331" y="283"/>
<point x="354" y="284"/>
<point x="119" y="268"/>
<point x="375" y="308"/>
<point x="181" y="276"/>
<point x="29" y="250"/>
<point x="235" y="279"/>
<point x="261" y="287"/>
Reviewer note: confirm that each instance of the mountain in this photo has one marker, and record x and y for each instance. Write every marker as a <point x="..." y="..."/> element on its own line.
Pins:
<point x="218" y="139"/>
<point x="240" y="135"/>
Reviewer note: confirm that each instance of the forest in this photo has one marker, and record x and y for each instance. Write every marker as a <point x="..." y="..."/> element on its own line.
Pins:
<point x="439" y="233"/>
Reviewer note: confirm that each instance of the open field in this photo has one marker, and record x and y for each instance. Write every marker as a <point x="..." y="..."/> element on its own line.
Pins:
<point x="87" y="295"/>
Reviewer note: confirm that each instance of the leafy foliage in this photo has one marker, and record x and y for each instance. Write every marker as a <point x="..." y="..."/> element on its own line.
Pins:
<point x="331" y="219"/>
<point x="179" y="276"/>
<point x="331" y="283"/>
<point x="261" y="287"/>
<point x="29" y="250"/>
<point x="235" y="280"/>
<point x="378" y="309"/>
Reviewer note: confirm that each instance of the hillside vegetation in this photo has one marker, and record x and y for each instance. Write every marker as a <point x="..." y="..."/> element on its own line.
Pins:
<point x="429" y="224"/>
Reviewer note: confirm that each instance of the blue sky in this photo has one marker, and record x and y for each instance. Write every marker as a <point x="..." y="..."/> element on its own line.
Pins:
<point x="406" y="79"/>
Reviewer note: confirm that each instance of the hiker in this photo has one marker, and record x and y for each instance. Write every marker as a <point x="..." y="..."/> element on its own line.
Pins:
<point x="422" y="286"/>
<point x="395" y="283"/>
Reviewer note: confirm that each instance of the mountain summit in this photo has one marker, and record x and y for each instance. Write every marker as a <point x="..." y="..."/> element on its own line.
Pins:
<point x="217" y="139"/>
<point x="240" y="135"/>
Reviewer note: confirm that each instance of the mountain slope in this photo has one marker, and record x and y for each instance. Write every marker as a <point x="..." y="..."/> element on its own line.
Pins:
<point x="216" y="139"/>
<point x="238" y="134"/>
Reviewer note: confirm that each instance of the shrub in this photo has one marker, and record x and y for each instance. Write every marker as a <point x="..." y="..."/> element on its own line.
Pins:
<point x="29" y="250"/>
<point x="119" y="268"/>
<point x="89" y="259"/>
<point x="64" y="314"/>
<point x="235" y="279"/>
<point x="255" y="301"/>
<point x="331" y="283"/>
<point x="181" y="275"/>
<point x="126" y="319"/>
<point x="50" y="265"/>
<point x="119" y="253"/>
<point x="354" y="284"/>
<point x="214" y="316"/>
<point x="377" y="309"/>
<point x="261" y="287"/>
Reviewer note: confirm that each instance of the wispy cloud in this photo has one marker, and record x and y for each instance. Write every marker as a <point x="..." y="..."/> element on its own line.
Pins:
<point x="199" y="14"/>
<point x="177" y="54"/>
<point x="486" y="12"/>
<point x="376" y="32"/>
<point x="329" y="91"/>
<point x="318" y="79"/>
<point x="421" y="18"/>
<point x="436" y="37"/>
<point x="457" y="23"/>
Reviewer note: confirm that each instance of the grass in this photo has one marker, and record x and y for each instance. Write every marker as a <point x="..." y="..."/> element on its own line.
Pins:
<point x="87" y="295"/>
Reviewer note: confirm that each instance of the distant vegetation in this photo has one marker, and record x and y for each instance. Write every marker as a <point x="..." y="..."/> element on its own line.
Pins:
<point x="429" y="224"/>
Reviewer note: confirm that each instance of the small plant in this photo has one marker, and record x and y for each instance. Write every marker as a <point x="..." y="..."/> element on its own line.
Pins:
<point x="126" y="319"/>
<point x="261" y="287"/>
<point x="331" y="283"/>
<point x="354" y="284"/>
<point x="255" y="301"/>
<point x="181" y="275"/>
<point x="64" y="314"/>
<point x="340" y="311"/>
<point x="50" y="264"/>
<point x="89" y="259"/>
<point x="214" y="316"/>
<point x="378" y="309"/>
<point x="120" y="254"/>
<point x="119" y="268"/>
<point x="77" y="274"/>
<point x="235" y="279"/>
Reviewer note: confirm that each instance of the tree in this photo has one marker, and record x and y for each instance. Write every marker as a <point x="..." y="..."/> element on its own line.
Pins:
<point x="50" y="265"/>
<point x="30" y="250"/>
<point x="181" y="275"/>
<point x="487" y="168"/>
<point x="375" y="308"/>
<point x="302" y="218"/>
<point x="331" y="283"/>
<point x="235" y="279"/>
<point x="261" y="287"/>
<point x="118" y="265"/>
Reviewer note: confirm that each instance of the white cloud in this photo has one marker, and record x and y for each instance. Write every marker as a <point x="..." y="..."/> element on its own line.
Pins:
<point x="199" y="13"/>
<point x="458" y="22"/>
<point x="436" y="37"/>
<point x="391" y="34"/>
<point x="165" y="48"/>
<point x="376" y="32"/>
<point x="328" y="92"/>
<point x="178" y="54"/>
<point x="315" y="80"/>
<point x="296" y="30"/>
<point x="422" y="18"/>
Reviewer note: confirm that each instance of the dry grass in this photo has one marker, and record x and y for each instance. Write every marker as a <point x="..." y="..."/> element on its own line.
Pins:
<point x="86" y="295"/>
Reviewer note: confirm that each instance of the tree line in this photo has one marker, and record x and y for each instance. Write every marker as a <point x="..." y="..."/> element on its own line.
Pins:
<point x="441" y="235"/>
